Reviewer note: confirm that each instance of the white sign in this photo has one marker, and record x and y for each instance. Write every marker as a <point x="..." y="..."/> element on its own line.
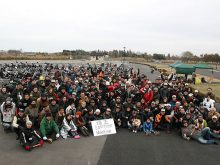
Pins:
<point x="103" y="127"/>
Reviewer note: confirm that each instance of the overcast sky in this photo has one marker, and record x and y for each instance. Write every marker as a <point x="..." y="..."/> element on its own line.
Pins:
<point x="153" y="26"/>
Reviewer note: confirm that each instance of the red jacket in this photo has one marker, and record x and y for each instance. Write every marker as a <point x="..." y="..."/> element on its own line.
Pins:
<point x="111" y="88"/>
<point x="148" y="95"/>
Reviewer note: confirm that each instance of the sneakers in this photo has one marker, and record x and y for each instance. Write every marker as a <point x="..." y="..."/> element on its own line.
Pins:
<point x="147" y="133"/>
<point x="215" y="143"/>
<point x="50" y="140"/>
<point x="156" y="133"/>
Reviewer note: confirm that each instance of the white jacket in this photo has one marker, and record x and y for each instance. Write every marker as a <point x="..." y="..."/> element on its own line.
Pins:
<point x="67" y="127"/>
<point x="7" y="116"/>
<point x="209" y="104"/>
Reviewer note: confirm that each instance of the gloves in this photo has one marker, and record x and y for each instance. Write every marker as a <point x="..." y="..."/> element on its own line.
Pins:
<point x="57" y="135"/>
<point x="41" y="142"/>
<point x="44" y="138"/>
<point x="28" y="148"/>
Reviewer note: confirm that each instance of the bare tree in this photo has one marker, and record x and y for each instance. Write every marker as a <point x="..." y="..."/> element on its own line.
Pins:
<point x="187" y="56"/>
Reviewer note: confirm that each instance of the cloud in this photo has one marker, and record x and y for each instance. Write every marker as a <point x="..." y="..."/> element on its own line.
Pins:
<point x="170" y="26"/>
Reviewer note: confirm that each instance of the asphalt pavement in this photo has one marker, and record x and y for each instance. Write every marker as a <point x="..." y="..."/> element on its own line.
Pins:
<point x="209" y="72"/>
<point x="85" y="151"/>
<point x="127" y="148"/>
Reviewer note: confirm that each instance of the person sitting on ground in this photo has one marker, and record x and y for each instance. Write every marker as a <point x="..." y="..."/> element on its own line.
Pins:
<point x="148" y="127"/>
<point x="214" y="126"/>
<point x="49" y="129"/>
<point x="69" y="128"/>
<point x="7" y="114"/>
<point x="202" y="136"/>
<point x="200" y="123"/>
<point x="80" y="124"/>
<point x="29" y="138"/>
<point x="19" y="122"/>
<point x="135" y="122"/>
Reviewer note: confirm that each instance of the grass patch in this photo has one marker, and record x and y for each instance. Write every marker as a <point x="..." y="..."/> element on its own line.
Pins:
<point x="41" y="57"/>
<point x="203" y="89"/>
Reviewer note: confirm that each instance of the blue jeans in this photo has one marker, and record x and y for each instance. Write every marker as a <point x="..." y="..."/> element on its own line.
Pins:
<point x="204" y="136"/>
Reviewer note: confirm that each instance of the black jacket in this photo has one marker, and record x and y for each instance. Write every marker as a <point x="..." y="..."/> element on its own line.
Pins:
<point x="214" y="126"/>
<point x="29" y="136"/>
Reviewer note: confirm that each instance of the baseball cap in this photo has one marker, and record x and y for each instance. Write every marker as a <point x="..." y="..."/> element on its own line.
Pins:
<point x="21" y="110"/>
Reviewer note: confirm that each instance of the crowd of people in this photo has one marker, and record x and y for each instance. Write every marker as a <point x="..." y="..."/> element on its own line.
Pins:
<point x="48" y="102"/>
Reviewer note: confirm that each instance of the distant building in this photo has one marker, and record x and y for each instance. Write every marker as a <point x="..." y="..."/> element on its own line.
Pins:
<point x="29" y="53"/>
<point x="98" y="57"/>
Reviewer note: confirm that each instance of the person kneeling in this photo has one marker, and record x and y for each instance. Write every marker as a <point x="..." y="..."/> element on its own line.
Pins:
<point x="49" y="129"/>
<point x="29" y="138"/>
<point x="69" y="128"/>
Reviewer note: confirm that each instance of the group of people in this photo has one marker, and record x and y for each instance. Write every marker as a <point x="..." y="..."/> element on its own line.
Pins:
<point x="45" y="104"/>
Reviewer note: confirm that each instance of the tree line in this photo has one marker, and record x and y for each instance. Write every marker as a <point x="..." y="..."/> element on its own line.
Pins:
<point x="187" y="56"/>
